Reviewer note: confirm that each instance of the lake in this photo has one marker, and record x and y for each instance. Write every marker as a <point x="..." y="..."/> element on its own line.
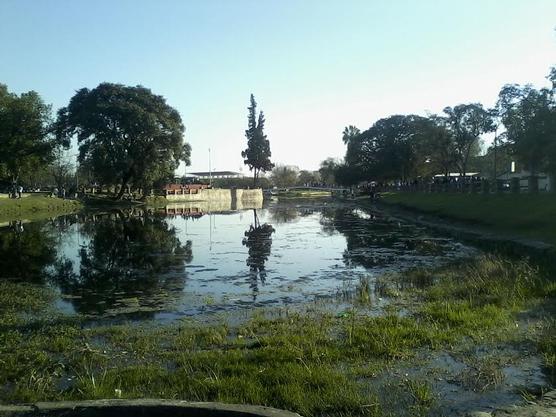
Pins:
<point x="167" y="263"/>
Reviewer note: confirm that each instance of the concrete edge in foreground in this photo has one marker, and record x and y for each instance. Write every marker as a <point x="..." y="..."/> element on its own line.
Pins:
<point x="140" y="407"/>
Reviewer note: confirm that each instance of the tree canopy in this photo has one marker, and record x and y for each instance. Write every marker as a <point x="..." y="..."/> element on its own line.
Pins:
<point x="391" y="148"/>
<point x="529" y="116"/>
<point x="126" y="135"/>
<point x="284" y="176"/>
<point x="257" y="155"/>
<point x="26" y="142"/>
<point x="467" y="123"/>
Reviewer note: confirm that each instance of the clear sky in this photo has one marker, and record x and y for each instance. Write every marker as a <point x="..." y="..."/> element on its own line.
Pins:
<point x="314" y="66"/>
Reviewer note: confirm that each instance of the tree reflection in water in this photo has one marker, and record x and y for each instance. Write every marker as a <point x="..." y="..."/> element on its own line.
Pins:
<point x="259" y="242"/>
<point x="25" y="251"/>
<point x="132" y="264"/>
<point x="376" y="242"/>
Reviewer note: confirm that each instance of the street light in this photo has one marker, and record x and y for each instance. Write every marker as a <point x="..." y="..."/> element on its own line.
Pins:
<point x="210" y="172"/>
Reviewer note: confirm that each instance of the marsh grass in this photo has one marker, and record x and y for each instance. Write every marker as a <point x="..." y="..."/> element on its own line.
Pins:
<point x="485" y="374"/>
<point x="313" y="363"/>
<point x="547" y="346"/>
<point x="422" y="396"/>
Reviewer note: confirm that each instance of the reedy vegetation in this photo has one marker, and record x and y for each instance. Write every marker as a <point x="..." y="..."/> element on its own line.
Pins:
<point x="312" y="363"/>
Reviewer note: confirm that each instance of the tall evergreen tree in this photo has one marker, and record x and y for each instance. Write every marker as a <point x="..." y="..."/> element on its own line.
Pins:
<point x="257" y="155"/>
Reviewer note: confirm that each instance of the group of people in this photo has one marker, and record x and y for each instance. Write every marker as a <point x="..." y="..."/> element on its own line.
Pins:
<point x="58" y="193"/>
<point x="17" y="191"/>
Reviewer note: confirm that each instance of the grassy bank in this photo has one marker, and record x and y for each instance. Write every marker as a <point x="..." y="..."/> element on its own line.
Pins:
<point x="531" y="216"/>
<point x="313" y="363"/>
<point x="35" y="207"/>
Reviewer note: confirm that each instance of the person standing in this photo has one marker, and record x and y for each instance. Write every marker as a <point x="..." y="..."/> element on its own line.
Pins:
<point x="19" y="191"/>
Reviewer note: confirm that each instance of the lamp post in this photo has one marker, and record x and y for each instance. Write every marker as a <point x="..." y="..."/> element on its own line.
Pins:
<point x="210" y="172"/>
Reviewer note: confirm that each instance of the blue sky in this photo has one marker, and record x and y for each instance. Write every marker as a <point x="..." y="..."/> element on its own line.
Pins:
<point x="314" y="66"/>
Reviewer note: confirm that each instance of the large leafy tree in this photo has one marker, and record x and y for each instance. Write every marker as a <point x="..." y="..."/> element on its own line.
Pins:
<point x="328" y="169"/>
<point x="257" y="155"/>
<point x="126" y="135"/>
<point x="25" y="140"/>
<point x="467" y="122"/>
<point x="438" y="148"/>
<point x="284" y="176"/>
<point x="307" y="177"/>
<point x="529" y="116"/>
<point x="390" y="149"/>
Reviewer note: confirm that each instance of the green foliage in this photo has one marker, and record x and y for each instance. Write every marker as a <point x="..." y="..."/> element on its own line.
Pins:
<point x="529" y="116"/>
<point x="467" y="122"/>
<point x="126" y="135"/>
<point x="308" y="177"/>
<point x="350" y="133"/>
<point x="284" y="176"/>
<point x="422" y="396"/>
<point x="25" y="140"/>
<point x="257" y="155"/>
<point x="393" y="148"/>
<point x="547" y="345"/>
<point x="328" y="169"/>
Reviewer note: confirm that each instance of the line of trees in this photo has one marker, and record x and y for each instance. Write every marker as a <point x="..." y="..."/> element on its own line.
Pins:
<point x="127" y="137"/>
<point x="410" y="147"/>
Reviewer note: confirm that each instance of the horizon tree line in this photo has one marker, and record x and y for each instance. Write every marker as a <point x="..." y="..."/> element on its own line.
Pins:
<point x="412" y="147"/>
<point x="130" y="137"/>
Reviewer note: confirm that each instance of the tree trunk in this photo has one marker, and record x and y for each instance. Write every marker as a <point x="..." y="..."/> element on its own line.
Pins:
<point x="123" y="188"/>
<point x="125" y="181"/>
<point x="121" y="192"/>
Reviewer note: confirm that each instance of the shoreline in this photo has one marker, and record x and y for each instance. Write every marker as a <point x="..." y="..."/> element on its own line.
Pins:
<point x="36" y="207"/>
<point x="464" y="228"/>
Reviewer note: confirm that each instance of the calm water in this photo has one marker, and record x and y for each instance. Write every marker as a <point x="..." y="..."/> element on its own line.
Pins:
<point x="162" y="265"/>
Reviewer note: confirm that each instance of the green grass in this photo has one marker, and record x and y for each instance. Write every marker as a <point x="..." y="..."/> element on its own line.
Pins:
<point x="531" y="216"/>
<point x="35" y="207"/>
<point x="317" y="364"/>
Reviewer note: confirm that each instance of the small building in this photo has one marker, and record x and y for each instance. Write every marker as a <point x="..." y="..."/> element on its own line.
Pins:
<point x="523" y="175"/>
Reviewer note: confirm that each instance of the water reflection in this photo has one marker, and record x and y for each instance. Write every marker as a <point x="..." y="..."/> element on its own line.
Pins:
<point x="140" y="263"/>
<point x="25" y="250"/>
<point x="374" y="241"/>
<point x="258" y="239"/>
<point x="133" y="263"/>
<point x="289" y="213"/>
